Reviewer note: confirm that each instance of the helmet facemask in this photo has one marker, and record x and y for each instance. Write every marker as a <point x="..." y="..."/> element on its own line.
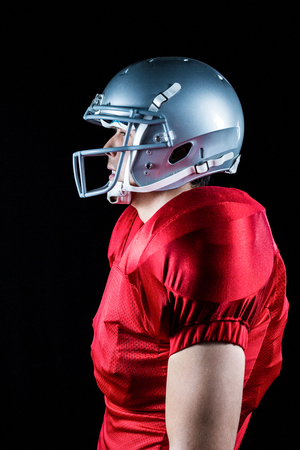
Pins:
<point x="132" y="118"/>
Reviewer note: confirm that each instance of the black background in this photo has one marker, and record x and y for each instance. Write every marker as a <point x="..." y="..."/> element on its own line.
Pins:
<point x="53" y="244"/>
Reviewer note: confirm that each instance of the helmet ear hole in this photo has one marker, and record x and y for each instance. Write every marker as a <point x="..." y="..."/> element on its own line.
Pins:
<point x="180" y="153"/>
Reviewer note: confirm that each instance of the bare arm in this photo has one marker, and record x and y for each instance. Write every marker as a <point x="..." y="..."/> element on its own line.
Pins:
<point x="204" y="396"/>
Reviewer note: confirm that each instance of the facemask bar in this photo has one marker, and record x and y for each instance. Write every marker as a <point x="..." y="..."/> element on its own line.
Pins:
<point x="123" y="114"/>
<point x="94" y="117"/>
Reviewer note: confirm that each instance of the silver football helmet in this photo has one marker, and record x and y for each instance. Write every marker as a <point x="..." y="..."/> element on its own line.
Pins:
<point x="170" y="102"/>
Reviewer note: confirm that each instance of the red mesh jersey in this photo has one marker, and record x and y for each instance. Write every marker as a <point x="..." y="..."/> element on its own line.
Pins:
<point x="203" y="268"/>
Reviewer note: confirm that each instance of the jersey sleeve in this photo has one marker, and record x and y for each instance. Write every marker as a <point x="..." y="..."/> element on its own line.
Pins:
<point x="215" y="280"/>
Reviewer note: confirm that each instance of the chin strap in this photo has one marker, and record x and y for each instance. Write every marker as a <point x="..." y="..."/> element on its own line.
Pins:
<point x="118" y="196"/>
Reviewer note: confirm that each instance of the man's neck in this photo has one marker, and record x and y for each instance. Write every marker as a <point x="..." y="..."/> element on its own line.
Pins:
<point x="148" y="203"/>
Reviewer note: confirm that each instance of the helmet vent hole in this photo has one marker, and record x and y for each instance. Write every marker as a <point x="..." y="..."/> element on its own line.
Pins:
<point x="180" y="153"/>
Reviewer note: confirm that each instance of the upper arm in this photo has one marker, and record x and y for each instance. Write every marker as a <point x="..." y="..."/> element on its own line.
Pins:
<point x="204" y="396"/>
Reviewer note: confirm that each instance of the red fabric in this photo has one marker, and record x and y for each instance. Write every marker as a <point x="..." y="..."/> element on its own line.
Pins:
<point x="203" y="268"/>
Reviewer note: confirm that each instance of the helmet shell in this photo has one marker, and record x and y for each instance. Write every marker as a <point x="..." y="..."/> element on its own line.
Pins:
<point x="205" y="104"/>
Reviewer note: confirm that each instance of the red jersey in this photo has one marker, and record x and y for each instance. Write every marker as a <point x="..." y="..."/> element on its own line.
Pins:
<point x="203" y="268"/>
